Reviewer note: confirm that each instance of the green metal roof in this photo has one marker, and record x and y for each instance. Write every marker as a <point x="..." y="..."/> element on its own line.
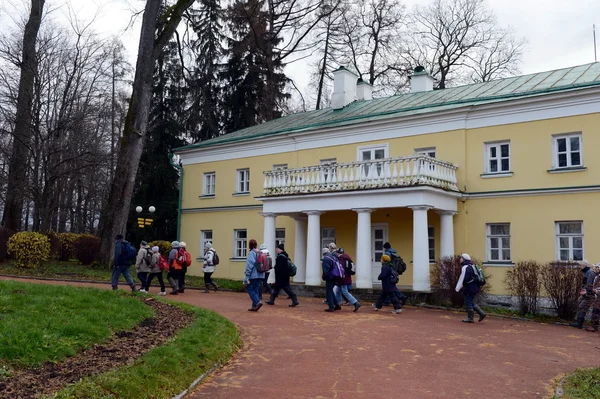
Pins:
<point x="418" y="103"/>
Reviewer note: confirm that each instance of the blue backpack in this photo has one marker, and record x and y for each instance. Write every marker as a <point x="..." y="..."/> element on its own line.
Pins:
<point x="129" y="252"/>
<point x="337" y="271"/>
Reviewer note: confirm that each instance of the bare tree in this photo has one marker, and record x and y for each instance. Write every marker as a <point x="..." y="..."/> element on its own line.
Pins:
<point x="17" y="173"/>
<point x="460" y="41"/>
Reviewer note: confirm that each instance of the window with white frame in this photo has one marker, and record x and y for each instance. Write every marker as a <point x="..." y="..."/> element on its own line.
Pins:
<point x="569" y="240"/>
<point x="431" y="236"/>
<point x="567" y="150"/>
<point x="498" y="242"/>
<point x="240" y="243"/>
<point x="497" y="157"/>
<point x="279" y="236"/>
<point x="281" y="166"/>
<point x="373" y="153"/>
<point x="206" y="236"/>
<point x="243" y="181"/>
<point x="327" y="237"/>
<point x="208" y="188"/>
<point x="328" y="168"/>
<point x="430" y="151"/>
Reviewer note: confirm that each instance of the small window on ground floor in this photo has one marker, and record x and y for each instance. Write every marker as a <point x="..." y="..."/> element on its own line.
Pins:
<point x="327" y="237"/>
<point x="240" y="243"/>
<point x="569" y="240"/>
<point x="279" y="238"/>
<point x="206" y="236"/>
<point x="498" y="242"/>
<point x="431" y="235"/>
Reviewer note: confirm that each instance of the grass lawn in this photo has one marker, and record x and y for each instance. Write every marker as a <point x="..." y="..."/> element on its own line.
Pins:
<point x="40" y="323"/>
<point x="167" y="370"/>
<point x="582" y="384"/>
<point x="72" y="270"/>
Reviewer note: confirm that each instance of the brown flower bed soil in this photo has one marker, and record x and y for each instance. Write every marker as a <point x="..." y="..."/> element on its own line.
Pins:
<point x="121" y="350"/>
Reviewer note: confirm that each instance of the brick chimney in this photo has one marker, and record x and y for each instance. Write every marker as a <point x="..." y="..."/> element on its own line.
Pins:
<point x="421" y="80"/>
<point x="344" y="88"/>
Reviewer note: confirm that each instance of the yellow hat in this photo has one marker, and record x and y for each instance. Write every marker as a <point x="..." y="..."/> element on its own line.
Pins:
<point x="385" y="259"/>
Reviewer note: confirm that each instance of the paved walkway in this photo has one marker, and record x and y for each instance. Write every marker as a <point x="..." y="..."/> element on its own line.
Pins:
<point x="420" y="354"/>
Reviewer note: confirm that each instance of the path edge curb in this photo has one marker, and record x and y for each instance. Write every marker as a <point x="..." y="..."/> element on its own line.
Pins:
<point x="198" y="380"/>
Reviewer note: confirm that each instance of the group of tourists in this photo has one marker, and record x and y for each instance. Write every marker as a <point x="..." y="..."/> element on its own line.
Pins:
<point x="590" y="296"/>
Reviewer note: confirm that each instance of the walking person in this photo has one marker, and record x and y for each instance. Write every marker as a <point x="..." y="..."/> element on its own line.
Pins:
<point x="181" y="256"/>
<point x="253" y="279"/>
<point x="142" y="265"/>
<point x="155" y="271"/>
<point x="122" y="262"/>
<point x="209" y="267"/>
<point x="266" y="286"/>
<point x="586" y="292"/>
<point x="388" y="286"/>
<point x="396" y="260"/>
<point x="596" y="303"/>
<point x="174" y="268"/>
<point x="282" y="277"/>
<point x="327" y="266"/>
<point x="342" y="288"/>
<point x="470" y="286"/>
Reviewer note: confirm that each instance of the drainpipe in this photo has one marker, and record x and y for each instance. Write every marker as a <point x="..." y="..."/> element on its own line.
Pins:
<point x="180" y="169"/>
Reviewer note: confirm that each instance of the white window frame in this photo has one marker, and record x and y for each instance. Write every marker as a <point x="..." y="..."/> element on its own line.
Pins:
<point x="427" y="151"/>
<point x="243" y="251"/>
<point x="488" y="240"/>
<point x="279" y="237"/>
<point x="385" y="147"/>
<point x="555" y="153"/>
<point x="204" y="239"/>
<point x="239" y="181"/>
<point x="282" y="166"/>
<point x="431" y="242"/>
<point x="498" y="158"/>
<point x="570" y="236"/>
<point x="329" y="239"/>
<point x="209" y="184"/>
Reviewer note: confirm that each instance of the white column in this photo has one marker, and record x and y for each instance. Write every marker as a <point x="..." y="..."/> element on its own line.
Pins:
<point x="420" y="249"/>
<point x="446" y="233"/>
<point x="300" y="249"/>
<point x="364" y="264"/>
<point x="269" y="233"/>
<point x="313" y="249"/>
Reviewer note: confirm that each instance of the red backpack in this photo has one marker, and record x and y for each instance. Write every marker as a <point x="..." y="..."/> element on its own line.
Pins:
<point x="163" y="263"/>
<point x="262" y="262"/>
<point x="185" y="259"/>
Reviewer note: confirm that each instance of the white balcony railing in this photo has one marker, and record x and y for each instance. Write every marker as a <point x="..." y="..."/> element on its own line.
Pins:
<point x="380" y="173"/>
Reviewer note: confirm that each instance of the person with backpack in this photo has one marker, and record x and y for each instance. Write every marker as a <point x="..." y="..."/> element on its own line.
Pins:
<point x="211" y="259"/>
<point x="342" y="288"/>
<point x="470" y="281"/>
<point x="142" y="264"/>
<point x="184" y="259"/>
<point x="586" y="292"/>
<point x="174" y="268"/>
<point x="155" y="271"/>
<point x="328" y="264"/>
<point x="399" y="266"/>
<point x="124" y="257"/>
<point x="266" y="286"/>
<point x="253" y="275"/>
<point x="282" y="277"/>
<point x="388" y="278"/>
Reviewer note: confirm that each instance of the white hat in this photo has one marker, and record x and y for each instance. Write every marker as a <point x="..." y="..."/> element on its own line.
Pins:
<point x="466" y="256"/>
<point x="155" y="249"/>
<point x="263" y="246"/>
<point x="175" y="244"/>
<point x="208" y="245"/>
<point x="182" y="244"/>
<point x="325" y="251"/>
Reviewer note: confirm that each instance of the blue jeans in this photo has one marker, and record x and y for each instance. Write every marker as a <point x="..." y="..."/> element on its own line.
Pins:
<point x="343" y="289"/>
<point x="469" y="301"/>
<point x="331" y="300"/>
<point x="117" y="271"/>
<point x="253" y="288"/>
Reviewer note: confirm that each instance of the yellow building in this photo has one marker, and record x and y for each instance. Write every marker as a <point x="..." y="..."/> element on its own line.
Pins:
<point x="503" y="170"/>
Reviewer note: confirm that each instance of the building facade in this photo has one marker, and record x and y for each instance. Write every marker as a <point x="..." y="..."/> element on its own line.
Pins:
<point x="504" y="170"/>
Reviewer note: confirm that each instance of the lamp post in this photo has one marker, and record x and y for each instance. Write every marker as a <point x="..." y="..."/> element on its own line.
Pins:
<point x="144" y="221"/>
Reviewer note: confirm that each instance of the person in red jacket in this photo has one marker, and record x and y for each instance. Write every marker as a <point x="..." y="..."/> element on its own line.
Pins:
<point x="343" y="288"/>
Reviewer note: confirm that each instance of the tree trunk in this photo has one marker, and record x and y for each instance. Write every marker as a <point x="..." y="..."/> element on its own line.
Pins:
<point x="116" y="210"/>
<point x="13" y="207"/>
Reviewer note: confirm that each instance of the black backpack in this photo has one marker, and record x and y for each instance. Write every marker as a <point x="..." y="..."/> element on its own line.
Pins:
<point x="394" y="278"/>
<point x="397" y="263"/>
<point x="350" y="267"/>
<point x="148" y="257"/>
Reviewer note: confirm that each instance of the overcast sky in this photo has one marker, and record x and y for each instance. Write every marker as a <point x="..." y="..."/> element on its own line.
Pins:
<point x="559" y="33"/>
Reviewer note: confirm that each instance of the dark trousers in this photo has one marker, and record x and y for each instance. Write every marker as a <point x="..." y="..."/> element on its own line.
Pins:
<point x="181" y="278"/>
<point x="208" y="278"/>
<point x="173" y="276"/>
<point x="331" y="300"/>
<point x="393" y="297"/>
<point x="401" y="297"/>
<point x="143" y="277"/>
<point x="159" y="276"/>
<point x="287" y="289"/>
<point x="469" y="301"/>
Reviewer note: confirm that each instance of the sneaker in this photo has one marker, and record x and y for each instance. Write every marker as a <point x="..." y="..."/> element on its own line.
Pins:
<point x="174" y="292"/>
<point x="270" y="302"/>
<point x="346" y="303"/>
<point x="294" y="304"/>
<point x="397" y="311"/>
<point x="324" y="301"/>
<point x="143" y="291"/>
<point x="162" y="293"/>
<point x="259" y="306"/>
<point x="356" y="306"/>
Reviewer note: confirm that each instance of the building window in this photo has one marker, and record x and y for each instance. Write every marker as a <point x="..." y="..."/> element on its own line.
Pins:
<point x="497" y="157"/>
<point x="243" y="181"/>
<point x="569" y="241"/>
<point x="279" y="237"/>
<point x="431" y="236"/>
<point x="327" y="237"/>
<point x="430" y="152"/>
<point x="567" y="151"/>
<point x="209" y="184"/>
<point x="206" y="236"/>
<point x="240" y="245"/>
<point x="498" y="242"/>
<point x="282" y="166"/>
<point x="373" y="153"/>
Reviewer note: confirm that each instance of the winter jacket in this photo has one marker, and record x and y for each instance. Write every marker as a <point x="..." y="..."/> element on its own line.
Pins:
<point x="172" y="255"/>
<point x="251" y="272"/>
<point x="327" y="266"/>
<point x="154" y="265"/>
<point x="588" y="280"/>
<point x="385" y="276"/>
<point x="282" y="271"/>
<point x="120" y="254"/>
<point x="140" y="264"/>
<point x="344" y="259"/>
<point x="467" y="279"/>
<point x="208" y="261"/>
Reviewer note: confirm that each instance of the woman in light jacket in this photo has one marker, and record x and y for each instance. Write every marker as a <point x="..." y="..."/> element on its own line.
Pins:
<point x="155" y="272"/>
<point x="209" y="268"/>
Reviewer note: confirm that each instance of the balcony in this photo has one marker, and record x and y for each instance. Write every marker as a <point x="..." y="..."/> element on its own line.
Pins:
<point x="397" y="172"/>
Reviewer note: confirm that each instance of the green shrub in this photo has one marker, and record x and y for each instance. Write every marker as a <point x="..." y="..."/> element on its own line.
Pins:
<point x="4" y="236"/>
<point x="164" y="246"/>
<point x="86" y="248"/>
<point x="562" y="282"/>
<point x="444" y="277"/>
<point x="29" y="249"/>
<point x="524" y="282"/>
<point x="66" y="245"/>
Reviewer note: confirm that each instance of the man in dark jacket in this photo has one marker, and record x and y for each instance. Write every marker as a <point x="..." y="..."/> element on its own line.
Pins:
<point x="282" y="277"/>
<point x="471" y="288"/>
<point x="391" y="252"/>
<point x="121" y="264"/>
<point x="343" y="288"/>
<point x="587" y="293"/>
<point x="327" y="266"/>
<point x="388" y="287"/>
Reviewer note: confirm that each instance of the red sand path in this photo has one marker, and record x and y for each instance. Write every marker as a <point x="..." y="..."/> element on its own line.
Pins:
<point x="307" y="353"/>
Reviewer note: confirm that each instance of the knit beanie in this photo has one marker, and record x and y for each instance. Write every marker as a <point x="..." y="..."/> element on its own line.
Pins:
<point x="155" y="249"/>
<point x="385" y="259"/>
